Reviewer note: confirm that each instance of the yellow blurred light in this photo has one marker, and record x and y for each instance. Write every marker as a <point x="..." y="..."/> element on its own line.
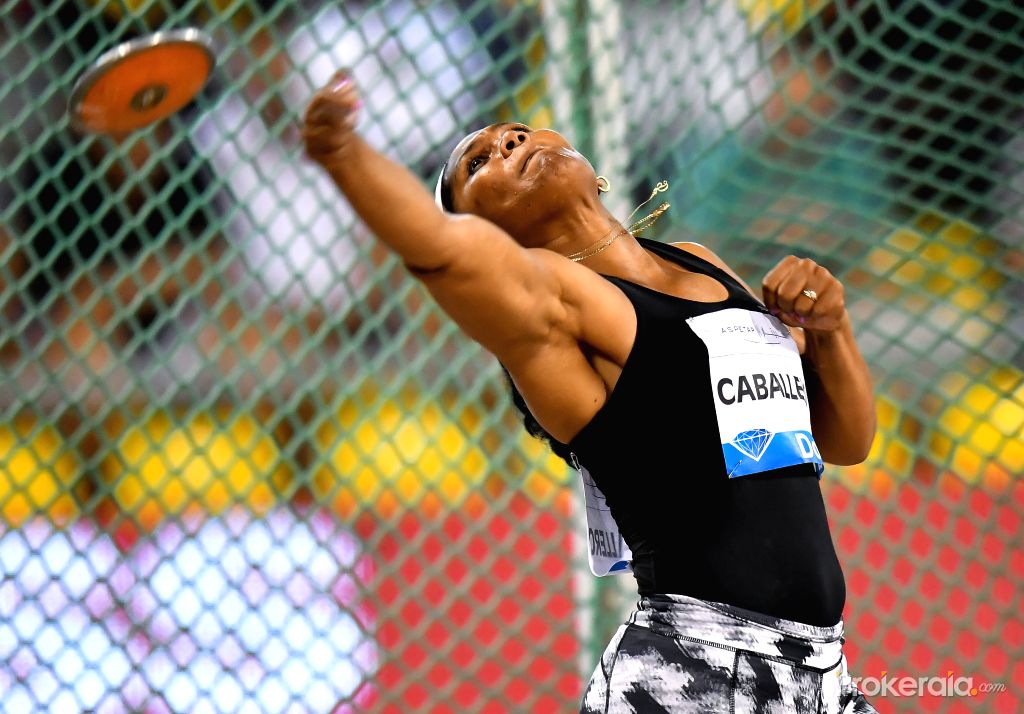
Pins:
<point x="367" y="437"/>
<point x="980" y="398"/>
<point x="1009" y="379"/>
<point x="387" y="461"/>
<point x="965" y="267"/>
<point x="411" y="441"/>
<point x="909" y="273"/>
<point x="897" y="457"/>
<point x="1012" y="455"/>
<point x="887" y="412"/>
<point x="451" y="441"/>
<point x="945" y="257"/>
<point x="986" y="439"/>
<point x="545" y="472"/>
<point x="967" y="464"/>
<point x="37" y="473"/>
<point x="153" y="13"/>
<point x="1008" y="417"/>
<point x="968" y="298"/>
<point x="854" y="478"/>
<point x="958" y="233"/>
<point x="538" y="487"/>
<point x="935" y="253"/>
<point x="792" y="14"/>
<point x="431" y="464"/>
<point x="409" y="487"/>
<point x="982" y="427"/>
<point x="877" y="447"/>
<point x="940" y="446"/>
<point x="956" y="421"/>
<point x="118" y="9"/>
<point x="905" y="239"/>
<point x="348" y="415"/>
<point x="389" y="417"/>
<point x="403" y="452"/>
<point x="367" y="484"/>
<point x="163" y="467"/>
<point x="939" y="284"/>
<point x="452" y="488"/>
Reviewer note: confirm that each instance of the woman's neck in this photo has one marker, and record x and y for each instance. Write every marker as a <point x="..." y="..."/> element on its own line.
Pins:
<point x="574" y="230"/>
<point x="586" y="228"/>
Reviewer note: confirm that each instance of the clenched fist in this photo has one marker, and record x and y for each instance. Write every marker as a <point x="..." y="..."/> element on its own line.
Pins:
<point x="802" y="293"/>
<point x="330" y="120"/>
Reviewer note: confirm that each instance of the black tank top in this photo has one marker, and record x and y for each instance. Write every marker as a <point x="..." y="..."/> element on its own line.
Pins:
<point x="760" y="541"/>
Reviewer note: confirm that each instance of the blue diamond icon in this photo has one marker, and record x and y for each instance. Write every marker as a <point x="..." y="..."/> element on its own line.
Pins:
<point x="753" y="443"/>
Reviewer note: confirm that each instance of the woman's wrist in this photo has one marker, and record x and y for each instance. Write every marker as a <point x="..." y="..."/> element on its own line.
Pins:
<point x="342" y="157"/>
<point x="841" y="333"/>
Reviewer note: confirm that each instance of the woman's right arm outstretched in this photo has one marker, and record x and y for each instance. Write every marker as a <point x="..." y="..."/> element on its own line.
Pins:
<point x="481" y="277"/>
<point x="516" y="302"/>
<point x="386" y="195"/>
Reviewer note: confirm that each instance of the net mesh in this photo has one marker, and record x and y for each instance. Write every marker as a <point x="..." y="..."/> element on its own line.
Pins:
<point x="247" y="465"/>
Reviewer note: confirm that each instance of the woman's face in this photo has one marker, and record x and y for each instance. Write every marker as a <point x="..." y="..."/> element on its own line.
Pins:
<point x="517" y="177"/>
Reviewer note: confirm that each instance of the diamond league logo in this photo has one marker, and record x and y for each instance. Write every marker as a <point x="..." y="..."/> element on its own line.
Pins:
<point x="753" y="442"/>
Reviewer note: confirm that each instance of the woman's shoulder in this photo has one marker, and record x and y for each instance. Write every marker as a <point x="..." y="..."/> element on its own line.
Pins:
<point x="701" y="251"/>
<point x="709" y="255"/>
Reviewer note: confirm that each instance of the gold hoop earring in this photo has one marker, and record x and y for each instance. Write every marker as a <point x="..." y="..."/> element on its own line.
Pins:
<point x="603" y="185"/>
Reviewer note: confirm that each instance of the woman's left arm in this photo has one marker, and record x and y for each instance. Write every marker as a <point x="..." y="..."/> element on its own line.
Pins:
<point x="839" y="383"/>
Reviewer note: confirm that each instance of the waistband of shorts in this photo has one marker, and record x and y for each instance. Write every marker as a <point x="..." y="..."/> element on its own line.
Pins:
<point x="681" y="616"/>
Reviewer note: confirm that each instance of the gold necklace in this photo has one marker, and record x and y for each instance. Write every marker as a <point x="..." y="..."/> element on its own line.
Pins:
<point x="638" y="227"/>
<point x="593" y="250"/>
<point x="649" y="220"/>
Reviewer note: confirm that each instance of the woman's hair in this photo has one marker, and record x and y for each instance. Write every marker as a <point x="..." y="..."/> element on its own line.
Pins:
<point x="533" y="427"/>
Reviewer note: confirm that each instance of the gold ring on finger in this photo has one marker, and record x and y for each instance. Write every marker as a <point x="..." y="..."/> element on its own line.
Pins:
<point x="811" y="294"/>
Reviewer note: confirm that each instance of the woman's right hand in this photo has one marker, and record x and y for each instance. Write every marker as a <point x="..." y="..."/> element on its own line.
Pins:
<point x="330" y="120"/>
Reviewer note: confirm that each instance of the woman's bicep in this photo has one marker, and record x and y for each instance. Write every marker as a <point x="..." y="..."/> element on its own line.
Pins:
<point x="502" y="295"/>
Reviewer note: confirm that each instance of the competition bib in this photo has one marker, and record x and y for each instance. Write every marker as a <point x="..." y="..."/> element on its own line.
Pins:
<point x="607" y="552"/>
<point x="760" y="396"/>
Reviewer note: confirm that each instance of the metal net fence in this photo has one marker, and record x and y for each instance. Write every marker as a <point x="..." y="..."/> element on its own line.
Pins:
<point x="247" y="465"/>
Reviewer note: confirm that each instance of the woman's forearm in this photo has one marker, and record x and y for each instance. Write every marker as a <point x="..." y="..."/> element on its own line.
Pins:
<point x="387" y="196"/>
<point x="843" y="405"/>
<point x="804" y="294"/>
<point x="393" y="203"/>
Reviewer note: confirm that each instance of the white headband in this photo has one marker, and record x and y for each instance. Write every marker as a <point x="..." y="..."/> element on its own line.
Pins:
<point x="437" y="191"/>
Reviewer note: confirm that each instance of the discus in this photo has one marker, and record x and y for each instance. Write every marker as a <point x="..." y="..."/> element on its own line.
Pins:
<point x="141" y="81"/>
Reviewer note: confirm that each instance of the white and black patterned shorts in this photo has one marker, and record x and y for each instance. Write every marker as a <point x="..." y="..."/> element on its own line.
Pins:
<point x="677" y="655"/>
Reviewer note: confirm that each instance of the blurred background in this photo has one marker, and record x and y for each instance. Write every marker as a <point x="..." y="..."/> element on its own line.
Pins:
<point x="246" y="465"/>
